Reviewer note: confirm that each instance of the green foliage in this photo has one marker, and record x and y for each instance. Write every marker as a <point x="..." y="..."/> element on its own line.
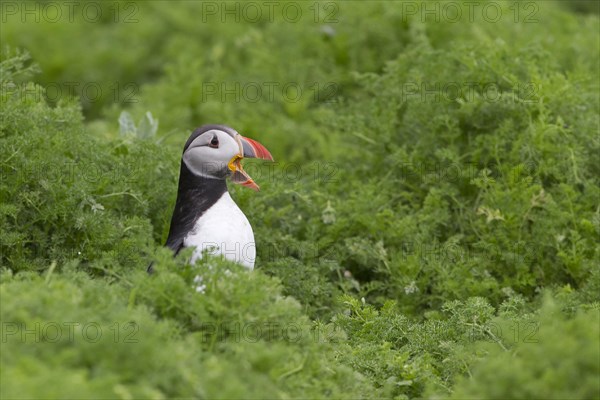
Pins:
<point x="560" y="361"/>
<point x="493" y="196"/>
<point x="167" y="339"/>
<point x="73" y="195"/>
<point x="429" y="229"/>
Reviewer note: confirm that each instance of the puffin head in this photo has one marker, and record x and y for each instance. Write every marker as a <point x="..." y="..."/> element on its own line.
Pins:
<point x="216" y="151"/>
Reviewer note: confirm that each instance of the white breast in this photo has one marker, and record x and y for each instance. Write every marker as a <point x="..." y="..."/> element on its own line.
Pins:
<point x="224" y="230"/>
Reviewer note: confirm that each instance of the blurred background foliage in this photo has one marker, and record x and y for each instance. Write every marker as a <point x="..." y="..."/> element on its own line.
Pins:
<point x="429" y="229"/>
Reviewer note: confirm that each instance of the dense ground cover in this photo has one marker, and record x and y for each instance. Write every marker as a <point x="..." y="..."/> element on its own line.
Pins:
<point x="430" y="227"/>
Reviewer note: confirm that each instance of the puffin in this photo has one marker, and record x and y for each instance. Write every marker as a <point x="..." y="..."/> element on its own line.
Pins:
<point x="205" y="216"/>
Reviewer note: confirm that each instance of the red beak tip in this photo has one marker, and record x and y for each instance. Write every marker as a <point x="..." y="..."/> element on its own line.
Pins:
<point x="260" y="151"/>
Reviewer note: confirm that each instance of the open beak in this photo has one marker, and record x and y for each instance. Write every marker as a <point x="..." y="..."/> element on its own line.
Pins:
<point x="251" y="149"/>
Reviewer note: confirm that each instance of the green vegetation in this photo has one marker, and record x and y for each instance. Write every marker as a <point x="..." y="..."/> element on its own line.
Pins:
<point x="429" y="230"/>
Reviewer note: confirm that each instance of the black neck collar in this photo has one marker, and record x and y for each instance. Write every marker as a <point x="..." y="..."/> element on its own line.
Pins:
<point x="195" y="195"/>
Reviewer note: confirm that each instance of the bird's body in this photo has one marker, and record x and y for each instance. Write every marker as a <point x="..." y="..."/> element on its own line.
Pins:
<point x="224" y="230"/>
<point x="205" y="216"/>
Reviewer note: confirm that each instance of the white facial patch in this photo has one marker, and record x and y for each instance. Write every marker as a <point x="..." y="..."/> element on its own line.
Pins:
<point x="210" y="162"/>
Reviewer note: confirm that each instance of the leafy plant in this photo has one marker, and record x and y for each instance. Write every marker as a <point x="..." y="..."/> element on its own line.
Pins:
<point x="429" y="228"/>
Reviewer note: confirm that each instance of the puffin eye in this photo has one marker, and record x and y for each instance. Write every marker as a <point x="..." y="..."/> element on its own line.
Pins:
<point x="214" y="143"/>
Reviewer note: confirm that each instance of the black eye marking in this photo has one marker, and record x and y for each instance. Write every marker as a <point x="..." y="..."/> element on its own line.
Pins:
<point x="214" y="143"/>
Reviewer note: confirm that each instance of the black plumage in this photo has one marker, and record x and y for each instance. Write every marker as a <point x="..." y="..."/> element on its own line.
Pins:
<point x="195" y="195"/>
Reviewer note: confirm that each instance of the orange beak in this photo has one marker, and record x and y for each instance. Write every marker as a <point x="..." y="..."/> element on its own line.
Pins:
<point x="251" y="149"/>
